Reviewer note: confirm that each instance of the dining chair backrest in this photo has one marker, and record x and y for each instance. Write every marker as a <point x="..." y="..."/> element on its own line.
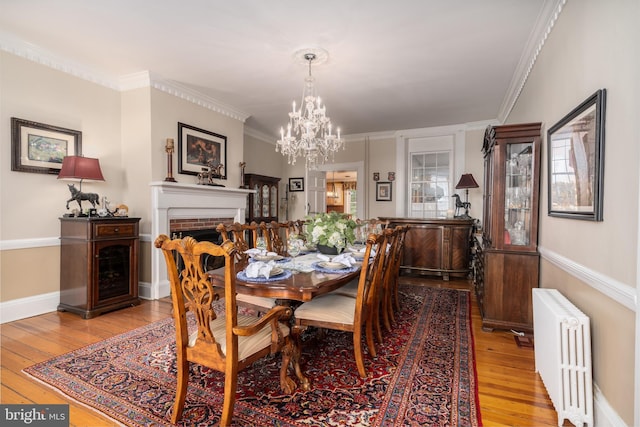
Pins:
<point x="370" y="283"/>
<point x="240" y="235"/>
<point x="389" y="277"/>
<point x="276" y="235"/>
<point x="227" y="342"/>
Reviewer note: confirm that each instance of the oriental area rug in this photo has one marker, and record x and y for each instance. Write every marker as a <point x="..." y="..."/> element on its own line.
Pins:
<point x="424" y="374"/>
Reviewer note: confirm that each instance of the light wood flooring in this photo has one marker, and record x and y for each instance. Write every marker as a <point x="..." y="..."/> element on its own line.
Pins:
<point x="511" y="393"/>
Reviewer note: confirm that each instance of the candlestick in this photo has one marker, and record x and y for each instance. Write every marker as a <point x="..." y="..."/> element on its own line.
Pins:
<point x="169" y="147"/>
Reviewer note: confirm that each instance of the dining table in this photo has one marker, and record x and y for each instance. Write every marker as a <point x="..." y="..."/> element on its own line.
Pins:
<point x="303" y="278"/>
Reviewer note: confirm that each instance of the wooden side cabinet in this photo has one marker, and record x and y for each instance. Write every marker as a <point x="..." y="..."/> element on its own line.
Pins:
<point x="438" y="247"/>
<point x="98" y="264"/>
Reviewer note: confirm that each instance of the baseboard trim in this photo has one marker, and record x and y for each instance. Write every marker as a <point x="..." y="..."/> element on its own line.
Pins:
<point x="22" y="308"/>
<point x="603" y="414"/>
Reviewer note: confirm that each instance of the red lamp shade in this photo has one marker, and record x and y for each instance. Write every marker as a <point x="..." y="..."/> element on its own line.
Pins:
<point x="467" y="181"/>
<point x="78" y="167"/>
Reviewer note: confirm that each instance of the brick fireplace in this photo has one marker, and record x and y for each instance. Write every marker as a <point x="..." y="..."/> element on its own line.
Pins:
<point x="189" y="207"/>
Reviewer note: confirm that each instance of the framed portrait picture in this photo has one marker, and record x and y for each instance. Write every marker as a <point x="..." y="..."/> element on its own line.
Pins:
<point x="383" y="191"/>
<point x="40" y="148"/>
<point x="296" y="184"/>
<point x="576" y="161"/>
<point x="199" y="148"/>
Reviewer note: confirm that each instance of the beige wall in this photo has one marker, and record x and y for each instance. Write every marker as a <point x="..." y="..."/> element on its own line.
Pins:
<point x="31" y="203"/>
<point x="594" y="45"/>
<point x="127" y="131"/>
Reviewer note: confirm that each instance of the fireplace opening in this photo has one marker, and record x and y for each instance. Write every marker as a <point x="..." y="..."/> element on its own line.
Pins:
<point x="209" y="235"/>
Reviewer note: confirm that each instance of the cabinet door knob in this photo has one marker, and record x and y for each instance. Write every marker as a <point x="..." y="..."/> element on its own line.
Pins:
<point x="117" y="230"/>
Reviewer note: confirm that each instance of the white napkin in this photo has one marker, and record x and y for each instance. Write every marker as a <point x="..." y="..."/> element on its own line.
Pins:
<point x="257" y="269"/>
<point x="254" y="251"/>
<point x="344" y="259"/>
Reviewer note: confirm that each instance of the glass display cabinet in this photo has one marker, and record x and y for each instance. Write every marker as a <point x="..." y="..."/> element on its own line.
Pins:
<point x="508" y="253"/>
<point x="262" y="205"/>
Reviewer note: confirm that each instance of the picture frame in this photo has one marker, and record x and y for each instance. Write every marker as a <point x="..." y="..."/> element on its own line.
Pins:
<point x="40" y="148"/>
<point x="296" y="184"/>
<point x="197" y="147"/>
<point x="576" y="161"/>
<point x="383" y="191"/>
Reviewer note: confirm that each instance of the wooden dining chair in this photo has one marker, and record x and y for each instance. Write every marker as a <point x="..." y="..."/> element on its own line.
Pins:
<point x="238" y="233"/>
<point x="390" y="278"/>
<point x="345" y="313"/>
<point x="229" y="342"/>
<point x="394" y="303"/>
<point x="276" y="235"/>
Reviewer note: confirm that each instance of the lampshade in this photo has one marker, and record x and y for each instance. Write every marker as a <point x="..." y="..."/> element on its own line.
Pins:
<point x="78" y="167"/>
<point x="467" y="181"/>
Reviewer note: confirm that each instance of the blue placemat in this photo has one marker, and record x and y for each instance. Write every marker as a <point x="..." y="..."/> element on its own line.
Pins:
<point x="316" y="266"/>
<point x="282" y="276"/>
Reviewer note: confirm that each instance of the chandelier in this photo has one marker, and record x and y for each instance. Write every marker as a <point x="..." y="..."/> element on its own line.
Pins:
<point x="309" y="131"/>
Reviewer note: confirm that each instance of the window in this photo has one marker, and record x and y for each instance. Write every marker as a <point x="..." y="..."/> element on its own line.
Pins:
<point x="430" y="184"/>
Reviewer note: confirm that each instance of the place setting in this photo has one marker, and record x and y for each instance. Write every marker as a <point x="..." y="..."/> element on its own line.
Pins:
<point x="260" y="271"/>
<point x="342" y="263"/>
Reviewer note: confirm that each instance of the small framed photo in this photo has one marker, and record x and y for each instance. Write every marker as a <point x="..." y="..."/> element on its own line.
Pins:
<point x="296" y="184"/>
<point x="40" y="148"/>
<point x="383" y="191"/>
<point x="200" y="149"/>
<point x="576" y="161"/>
<point x="376" y="176"/>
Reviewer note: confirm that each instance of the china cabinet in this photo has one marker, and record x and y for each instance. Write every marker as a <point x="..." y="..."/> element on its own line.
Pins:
<point x="262" y="205"/>
<point x="98" y="264"/>
<point x="507" y="260"/>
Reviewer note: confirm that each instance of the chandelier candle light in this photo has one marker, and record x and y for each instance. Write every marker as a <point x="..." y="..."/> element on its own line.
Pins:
<point x="309" y="131"/>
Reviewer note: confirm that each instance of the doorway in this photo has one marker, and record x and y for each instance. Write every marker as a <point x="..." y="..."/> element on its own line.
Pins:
<point x="351" y="176"/>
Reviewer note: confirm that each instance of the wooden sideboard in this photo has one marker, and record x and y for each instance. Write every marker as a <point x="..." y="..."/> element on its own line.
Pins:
<point x="436" y="246"/>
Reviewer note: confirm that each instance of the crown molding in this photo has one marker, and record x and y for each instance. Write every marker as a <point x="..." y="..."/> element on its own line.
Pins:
<point x="545" y="23"/>
<point x="259" y="135"/>
<point x="180" y="91"/>
<point x="13" y="45"/>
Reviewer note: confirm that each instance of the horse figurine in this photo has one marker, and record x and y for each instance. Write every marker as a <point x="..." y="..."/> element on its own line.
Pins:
<point x="461" y="204"/>
<point x="79" y="196"/>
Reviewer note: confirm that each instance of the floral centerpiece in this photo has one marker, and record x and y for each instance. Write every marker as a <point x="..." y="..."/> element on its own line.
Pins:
<point x="331" y="229"/>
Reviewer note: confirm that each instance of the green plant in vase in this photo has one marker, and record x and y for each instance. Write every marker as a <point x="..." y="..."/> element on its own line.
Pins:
<point x="330" y="230"/>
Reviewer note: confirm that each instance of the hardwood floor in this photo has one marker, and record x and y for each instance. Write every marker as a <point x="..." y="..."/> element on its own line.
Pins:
<point x="511" y="393"/>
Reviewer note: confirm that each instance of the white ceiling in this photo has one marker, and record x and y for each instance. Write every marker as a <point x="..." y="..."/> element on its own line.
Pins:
<point x="391" y="65"/>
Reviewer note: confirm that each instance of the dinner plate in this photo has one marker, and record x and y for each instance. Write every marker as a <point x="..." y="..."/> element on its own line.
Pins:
<point x="332" y="265"/>
<point x="275" y="271"/>
<point x="358" y="255"/>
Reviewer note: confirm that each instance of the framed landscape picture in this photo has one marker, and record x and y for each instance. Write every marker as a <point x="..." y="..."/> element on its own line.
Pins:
<point x="576" y="161"/>
<point x="199" y="148"/>
<point x="40" y="148"/>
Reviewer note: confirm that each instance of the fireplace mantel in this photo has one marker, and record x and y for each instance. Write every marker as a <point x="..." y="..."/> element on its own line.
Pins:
<point x="177" y="201"/>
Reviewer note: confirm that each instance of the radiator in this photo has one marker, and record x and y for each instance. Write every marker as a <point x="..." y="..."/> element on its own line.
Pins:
<point x="563" y="355"/>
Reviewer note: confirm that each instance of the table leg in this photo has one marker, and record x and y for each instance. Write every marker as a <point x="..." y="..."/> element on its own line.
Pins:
<point x="296" y="332"/>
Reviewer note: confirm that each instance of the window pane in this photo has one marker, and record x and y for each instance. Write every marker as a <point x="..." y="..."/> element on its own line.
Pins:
<point x="429" y="194"/>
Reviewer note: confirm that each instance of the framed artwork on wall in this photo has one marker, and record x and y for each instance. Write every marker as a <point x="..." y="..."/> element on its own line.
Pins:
<point x="40" y="148"/>
<point x="383" y="191"/>
<point x="576" y="161"/>
<point x="296" y="184"/>
<point x="199" y="148"/>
